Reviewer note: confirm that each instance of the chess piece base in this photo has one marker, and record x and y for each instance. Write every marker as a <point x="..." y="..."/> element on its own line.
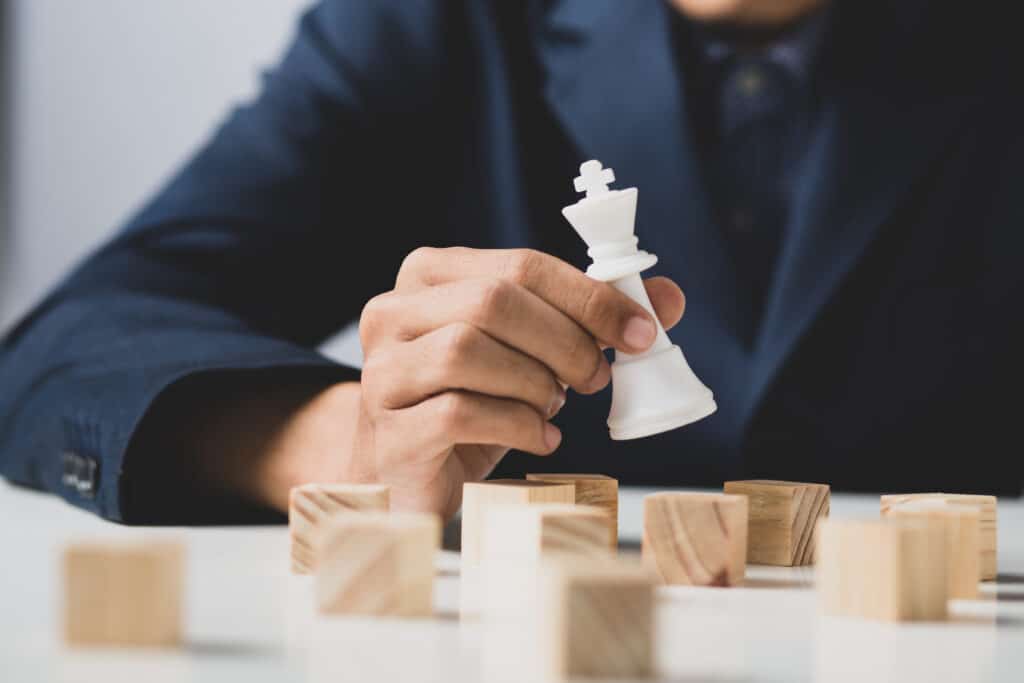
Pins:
<point x="681" y="397"/>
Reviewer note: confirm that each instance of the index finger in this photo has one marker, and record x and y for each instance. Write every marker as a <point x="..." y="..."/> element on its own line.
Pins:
<point x="613" y="318"/>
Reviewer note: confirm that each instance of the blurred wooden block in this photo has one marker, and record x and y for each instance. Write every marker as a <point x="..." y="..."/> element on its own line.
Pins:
<point x="891" y="570"/>
<point x="599" y="621"/>
<point x="123" y="593"/>
<point x="515" y="541"/>
<point x="961" y="526"/>
<point x="310" y="504"/>
<point x="987" y="507"/>
<point x="591" y="489"/>
<point x="571" y="618"/>
<point x="477" y="496"/>
<point x="524" y="533"/>
<point x="378" y="564"/>
<point x="783" y="518"/>
<point x="695" y="539"/>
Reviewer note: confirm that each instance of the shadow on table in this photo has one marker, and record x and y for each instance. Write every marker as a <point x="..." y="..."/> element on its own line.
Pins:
<point x="764" y="582"/>
<point x="229" y="649"/>
<point x="451" y="537"/>
<point x="1017" y="579"/>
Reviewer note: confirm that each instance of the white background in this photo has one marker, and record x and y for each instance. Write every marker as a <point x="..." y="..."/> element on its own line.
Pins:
<point x="105" y="99"/>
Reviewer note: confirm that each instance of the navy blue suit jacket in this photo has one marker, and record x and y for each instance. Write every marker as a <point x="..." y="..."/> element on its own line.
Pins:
<point x="893" y="324"/>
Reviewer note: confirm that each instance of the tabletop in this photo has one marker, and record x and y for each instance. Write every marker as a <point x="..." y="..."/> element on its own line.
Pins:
<point x="248" y="618"/>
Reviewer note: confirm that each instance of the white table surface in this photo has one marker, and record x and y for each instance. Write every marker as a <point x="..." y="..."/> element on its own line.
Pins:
<point x="249" y="620"/>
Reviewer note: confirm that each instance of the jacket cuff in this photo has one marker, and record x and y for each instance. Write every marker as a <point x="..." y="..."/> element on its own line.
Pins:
<point x="95" y="440"/>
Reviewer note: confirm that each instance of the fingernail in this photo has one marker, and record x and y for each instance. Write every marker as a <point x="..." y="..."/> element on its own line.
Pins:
<point x="552" y="436"/>
<point x="556" y="404"/>
<point x="639" y="332"/>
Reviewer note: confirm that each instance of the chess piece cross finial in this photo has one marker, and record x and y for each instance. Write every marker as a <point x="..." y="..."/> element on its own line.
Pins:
<point x="593" y="179"/>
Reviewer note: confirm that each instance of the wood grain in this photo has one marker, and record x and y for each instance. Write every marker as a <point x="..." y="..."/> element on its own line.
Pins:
<point x="606" y="628"/>
<point x="310" y="505"/>
<point x="890" y="570"/>
<point x="477" y="496"/>
<point x="695" y="538"/>
<point x="524" y="533"/>
<point x="961" y="526"/>
<point x="783" y="519"/>
<point x="571" y="618"/>
<point x="591" y="489"/>
<point x="379" y="564"/>
<point x="987" y="505"/>
<point x="123" y="593"/>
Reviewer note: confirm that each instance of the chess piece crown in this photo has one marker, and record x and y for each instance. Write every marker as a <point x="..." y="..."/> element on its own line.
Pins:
<point x="654" y="391"/>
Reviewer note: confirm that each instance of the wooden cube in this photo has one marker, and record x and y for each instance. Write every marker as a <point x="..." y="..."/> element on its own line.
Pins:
<point x="697" y="539"/>
<point x="524" y="533"/>
<point x="591" y="489"/>
<point x="378" y="564"/>
<point x="961" y="526"/>
<point x="783" y="518"/>
<point x="310" y="504"/>
<point x="599" y="621"/>
<point x="516" y="539"/>
<point x="891" y="570"/>
<point x="123" y="593"/>
<point x="987" y="505"/>
<point x="571" y="618"/>
<point x="476" y="496"/>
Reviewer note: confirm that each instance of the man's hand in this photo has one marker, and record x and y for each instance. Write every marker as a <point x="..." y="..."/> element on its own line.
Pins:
<point x="468" y="356"/>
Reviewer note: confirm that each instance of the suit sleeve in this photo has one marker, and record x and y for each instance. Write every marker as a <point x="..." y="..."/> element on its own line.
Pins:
<point x="269" y="240"/>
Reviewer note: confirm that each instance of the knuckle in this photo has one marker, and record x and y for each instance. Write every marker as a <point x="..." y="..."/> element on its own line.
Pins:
<point x="416" y="259"/>
<point x="523" y="265"/>
<point x="493" y="300"/>
<point x="597" y="307"/>
<point x="454" y="412"/>
<point x="460" y="340"/>
<point x="463" y="340"/>
<point x="371" y="317"/>
<point x="585" y="355"/>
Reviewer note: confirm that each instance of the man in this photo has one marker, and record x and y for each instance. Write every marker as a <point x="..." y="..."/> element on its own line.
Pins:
<point x="835" y="185"/>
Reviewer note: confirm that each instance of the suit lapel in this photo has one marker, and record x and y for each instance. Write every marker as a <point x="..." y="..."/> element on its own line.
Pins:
<point x="872" y="147"/>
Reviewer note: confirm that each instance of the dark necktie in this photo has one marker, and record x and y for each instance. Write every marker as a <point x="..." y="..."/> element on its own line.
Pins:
<point x="759" y="121"/>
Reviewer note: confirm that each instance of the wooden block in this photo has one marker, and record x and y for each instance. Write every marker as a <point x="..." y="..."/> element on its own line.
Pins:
<point x="476" y="496"/>
<point x="783" y="518"/>
<point x="591" y="489"/>
<point x="599" y="621"/>
<point x="123" y="593"/>
<point x="571" y="617"/>
<point x="892" y="570"/>
<point x="697" y="539"/>
<point x="961" y="526"/>
<point x="515" y="541"/>
<point x="310" y="504"/>
<point x="378" y="564"/>
<point x="524" y="533"/>
<point x="988" y="510"/>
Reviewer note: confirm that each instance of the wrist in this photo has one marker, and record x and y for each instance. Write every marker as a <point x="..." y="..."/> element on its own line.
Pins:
<point x="270" y="442"/>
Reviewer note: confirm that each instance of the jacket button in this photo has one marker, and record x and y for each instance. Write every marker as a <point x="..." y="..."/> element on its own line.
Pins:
<point x="79" y="473"/>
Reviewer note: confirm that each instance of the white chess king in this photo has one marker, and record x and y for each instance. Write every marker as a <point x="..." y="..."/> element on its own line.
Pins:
<point x="655" y="391"/>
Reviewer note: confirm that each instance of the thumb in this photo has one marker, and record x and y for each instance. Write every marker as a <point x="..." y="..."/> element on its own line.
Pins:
<point x="668" y="300"/>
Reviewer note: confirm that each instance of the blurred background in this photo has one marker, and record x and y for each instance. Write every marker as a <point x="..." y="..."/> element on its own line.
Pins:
<point x="101" y="100"/>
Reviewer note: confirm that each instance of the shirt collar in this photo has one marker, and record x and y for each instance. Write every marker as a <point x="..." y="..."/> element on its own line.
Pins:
<point x="795" y="51"/>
